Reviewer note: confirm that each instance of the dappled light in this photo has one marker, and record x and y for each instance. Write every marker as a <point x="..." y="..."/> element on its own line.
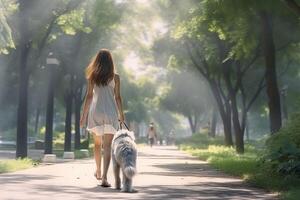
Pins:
<point x="216" y="79"/>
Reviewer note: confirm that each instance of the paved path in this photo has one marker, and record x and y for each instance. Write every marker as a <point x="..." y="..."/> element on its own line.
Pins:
<point x="164" y="173"/>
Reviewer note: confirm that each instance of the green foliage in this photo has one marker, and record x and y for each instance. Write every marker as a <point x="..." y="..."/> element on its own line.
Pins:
<point x="137" y="98"/>
<point x="283" y="149"/>
<point x="72" y="22"/>
<point x="220" y="156"/>
<point x="248" y="166"/>
<point x="84" y="144"/>
<point x="187" y="94"/>
<point x="6" y="40"/>
<point x="14" y="165"/>
<point x="58" y="140"/>
<point x="292" y="194"/>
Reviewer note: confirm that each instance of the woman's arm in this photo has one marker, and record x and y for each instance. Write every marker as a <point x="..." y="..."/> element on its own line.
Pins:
<point x="118" y="97"/>
<point x="86" y="105"/>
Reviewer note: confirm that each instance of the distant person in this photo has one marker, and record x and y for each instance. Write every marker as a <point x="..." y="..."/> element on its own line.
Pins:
<point x="151" y="134"/>
<point x="102" y="109"/>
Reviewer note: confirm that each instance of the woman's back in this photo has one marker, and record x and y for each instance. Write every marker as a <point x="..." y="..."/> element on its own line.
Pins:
<point x="103" y="109"/>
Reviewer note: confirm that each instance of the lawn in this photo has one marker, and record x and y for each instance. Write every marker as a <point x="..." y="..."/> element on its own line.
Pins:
<point x="14" y="165"/>
<point x="247" y="166"/>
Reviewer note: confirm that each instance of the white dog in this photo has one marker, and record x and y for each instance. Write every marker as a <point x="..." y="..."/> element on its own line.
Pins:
<point x="124" y="154"/>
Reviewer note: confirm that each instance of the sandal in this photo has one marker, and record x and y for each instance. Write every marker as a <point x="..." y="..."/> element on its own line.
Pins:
<point x="105" y="184"/>
<point x="95" y="174"/>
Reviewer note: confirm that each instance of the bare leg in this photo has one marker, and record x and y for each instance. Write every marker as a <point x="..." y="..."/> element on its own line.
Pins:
<point x="107" y="139"/>
<point x="97" y="155"/>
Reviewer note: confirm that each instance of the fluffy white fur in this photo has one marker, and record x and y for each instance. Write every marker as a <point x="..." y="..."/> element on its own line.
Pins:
<point x="124" y="155"/>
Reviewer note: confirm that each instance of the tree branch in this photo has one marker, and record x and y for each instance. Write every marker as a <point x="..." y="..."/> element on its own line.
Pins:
<point x="293" y="6"/>
<point x="195" y="63"/>
<point x="259" y="89"/>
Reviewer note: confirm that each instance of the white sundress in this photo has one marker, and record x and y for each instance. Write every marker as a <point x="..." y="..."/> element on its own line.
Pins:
<point x="103" y="113"/>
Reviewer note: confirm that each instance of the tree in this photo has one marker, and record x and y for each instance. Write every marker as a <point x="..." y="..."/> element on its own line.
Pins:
<point x="24" y="47"/>
<point x="6" y="40"/>
<point x="271" y="75"/>
<point x="29" y="41"/>
<point x="214" y="53"/>
<point x="187" y="95"/>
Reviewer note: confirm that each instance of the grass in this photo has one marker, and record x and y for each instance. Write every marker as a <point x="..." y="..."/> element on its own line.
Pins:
<point x="292" y="194"/>
<point x="78" y="154"/>
<point x="247" y="166"/>
<point x="14" y="165"/>
<point x="225" y="159"/>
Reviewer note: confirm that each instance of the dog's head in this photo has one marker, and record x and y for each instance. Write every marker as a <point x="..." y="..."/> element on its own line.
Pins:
<point x="124" y="133"/>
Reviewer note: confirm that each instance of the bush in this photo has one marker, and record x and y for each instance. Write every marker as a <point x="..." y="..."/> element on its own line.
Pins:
<point x="84" y="144"/>
<point x="283" y="149"/>
<point x="14" y="165"/>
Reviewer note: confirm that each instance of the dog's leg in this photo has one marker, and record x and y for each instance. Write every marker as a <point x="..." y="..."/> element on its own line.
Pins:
<point x="117" y="175"/>
<point x="127" y="184"/>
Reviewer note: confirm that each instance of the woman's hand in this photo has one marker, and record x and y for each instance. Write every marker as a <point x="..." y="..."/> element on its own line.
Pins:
<point x="121" y="117"/>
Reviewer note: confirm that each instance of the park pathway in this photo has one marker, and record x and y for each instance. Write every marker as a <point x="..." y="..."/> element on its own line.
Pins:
<point x="164" y="173"/>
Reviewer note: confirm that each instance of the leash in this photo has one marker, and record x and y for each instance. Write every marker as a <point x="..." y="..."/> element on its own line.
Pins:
<point x="120" y="125"/>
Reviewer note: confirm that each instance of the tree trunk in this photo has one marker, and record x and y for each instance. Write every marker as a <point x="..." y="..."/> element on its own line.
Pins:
<point x="271" y="75"/>
<point x="22" y="113"/>
<point x="77" y="123"/>
<point x="239" y="132"/>
<point x="49" y="112"/>
<point x="227" y="129"/>
<point x="247" y="129"/>
<point x="21" y="144"/>
<point x="37" y="119"/>
<point x="68" y="122"/>
<point x="192" y="124"/>
<point x="225" y="113"/>
<point x="213" y="123"/>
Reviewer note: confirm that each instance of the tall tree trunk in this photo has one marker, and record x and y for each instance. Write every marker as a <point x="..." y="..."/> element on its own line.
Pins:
<point x="22" y="113"/>
<point x="77" y="122"/>
<point x="213" y="123"/>
<point x="21" y="148"/>
<point x="225" y="113"/>
<point x="271" y="75"/>
<point x="49" y="112"/>
<point x="247" y="129"/>
<point x="192" y="124"/>
<point x="37" y="119"/>
<point x="226" y="118"/>
<point x="239" y="132"/>
<point x="68" y="122"/>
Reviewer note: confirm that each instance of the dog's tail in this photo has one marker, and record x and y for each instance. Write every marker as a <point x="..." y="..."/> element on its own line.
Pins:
<point x="129" y="162"/>
<point x="129" y="171"/>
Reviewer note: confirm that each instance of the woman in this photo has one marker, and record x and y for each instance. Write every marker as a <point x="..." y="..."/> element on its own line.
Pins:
<point x="102" y="108"/>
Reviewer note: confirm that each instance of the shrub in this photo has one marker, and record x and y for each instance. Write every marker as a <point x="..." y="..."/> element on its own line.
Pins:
<point x="283" y="149"/>
<point x="84" y="144"/>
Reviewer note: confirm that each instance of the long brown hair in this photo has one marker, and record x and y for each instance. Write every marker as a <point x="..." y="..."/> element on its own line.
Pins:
<point x="101" y="69"/>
